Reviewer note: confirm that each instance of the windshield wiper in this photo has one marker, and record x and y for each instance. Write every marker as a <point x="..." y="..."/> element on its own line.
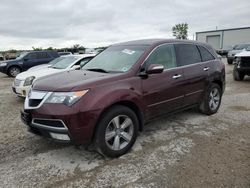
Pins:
<point x="98" y="70"/>
<point x="54" y="67"/>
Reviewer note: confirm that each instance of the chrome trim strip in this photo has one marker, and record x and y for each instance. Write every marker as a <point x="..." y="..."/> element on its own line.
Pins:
<point x="202" y="62"/>
<point x="151" y="105"/>
<point x="192" y="93"/>
<point x="49" y="127"/>
<point x="26" y="102"/>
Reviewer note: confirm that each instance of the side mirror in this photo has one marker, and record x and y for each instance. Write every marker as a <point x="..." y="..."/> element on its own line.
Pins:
<point x="76" y="67"/>
<point x="155" y="69"/>
<point x="25" y="59"/>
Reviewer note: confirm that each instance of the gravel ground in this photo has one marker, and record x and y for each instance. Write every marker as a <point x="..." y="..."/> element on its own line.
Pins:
<point x="187" y="149"/>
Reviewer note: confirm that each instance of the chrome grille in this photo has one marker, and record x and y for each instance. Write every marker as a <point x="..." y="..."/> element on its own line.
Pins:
<point x="17" y="82"/>
<point x="35" y="99"/>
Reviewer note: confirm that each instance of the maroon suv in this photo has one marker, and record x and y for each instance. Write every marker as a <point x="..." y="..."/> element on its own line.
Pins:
<point x="123" y="87"/>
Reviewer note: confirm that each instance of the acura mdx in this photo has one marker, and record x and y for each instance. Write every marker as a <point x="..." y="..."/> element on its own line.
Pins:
<point x="121" y="89"/>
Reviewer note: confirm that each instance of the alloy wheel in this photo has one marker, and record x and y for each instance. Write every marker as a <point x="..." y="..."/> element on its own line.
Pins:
<point x="214" y="99"/>
<point x="119" y="132"/>
<point x="14" y="71"/>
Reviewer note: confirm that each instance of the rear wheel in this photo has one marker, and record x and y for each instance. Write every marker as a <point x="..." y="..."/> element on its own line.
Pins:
<point x="14" y="71"/>
<point x="237" y="75"/>
<point x="116" y="132"/>
<point x="212" y="100"/>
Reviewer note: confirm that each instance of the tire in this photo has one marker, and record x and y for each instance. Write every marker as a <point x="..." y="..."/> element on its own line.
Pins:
<point x="111" y="139"/>
<point x="237" y="75"/>
<point x="210" y="105"/>
<point x="14" y="71"/>
<point x="230" y="61"/>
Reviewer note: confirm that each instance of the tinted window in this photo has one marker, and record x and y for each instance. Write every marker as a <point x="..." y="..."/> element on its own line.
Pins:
<point x="42" y="55"/>
<point x="187" y="54"/>
<point x="205" y="54"/>
<point x="163" y="55"/>
<point x="31" y="56"/>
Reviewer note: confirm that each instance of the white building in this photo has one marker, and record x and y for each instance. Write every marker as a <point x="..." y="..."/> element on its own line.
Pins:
<point x="226" y="37"/>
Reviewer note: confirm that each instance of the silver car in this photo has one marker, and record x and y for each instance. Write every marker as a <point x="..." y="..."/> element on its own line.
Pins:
<point x="237" y="49"/>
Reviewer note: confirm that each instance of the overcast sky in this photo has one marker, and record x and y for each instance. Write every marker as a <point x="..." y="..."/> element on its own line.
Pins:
<point x="62" y="23"/>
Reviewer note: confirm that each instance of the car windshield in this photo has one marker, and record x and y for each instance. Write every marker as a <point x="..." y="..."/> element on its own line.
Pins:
<point x="64" y="62"/>
<point x="54" y="61"/>
<point x="115" y="59"/>
<point x="22" y="55"/>
<point x="241" y="46"/>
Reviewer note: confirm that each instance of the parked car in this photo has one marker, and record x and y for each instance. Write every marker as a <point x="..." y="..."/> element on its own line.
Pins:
<point x="123" y="87"/>
<point x="242" y="65"/>
<point x="1" y="57"/>
<point x="224" y="51"/>
<point x="24" y="80"/>
<point x="26" y="61"/>
<point x="42" y="66"/>
<point x="237" y="49"/>
<point x="64" y="53"/>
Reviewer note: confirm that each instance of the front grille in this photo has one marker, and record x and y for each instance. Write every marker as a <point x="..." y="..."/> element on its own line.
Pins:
<point x="50" y="123"/>
<point x="34" y="102"/>
<point x="245" y="62"/>
<point x="35" y="99"/>
<point x="17" y="82"/>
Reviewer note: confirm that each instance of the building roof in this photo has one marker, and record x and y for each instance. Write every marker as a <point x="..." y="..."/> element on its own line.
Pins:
<point x="239" y="28"/>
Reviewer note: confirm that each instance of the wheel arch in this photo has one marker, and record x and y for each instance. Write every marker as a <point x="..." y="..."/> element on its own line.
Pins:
<point x="14" y="65"/>
<point x="131" y="105"/>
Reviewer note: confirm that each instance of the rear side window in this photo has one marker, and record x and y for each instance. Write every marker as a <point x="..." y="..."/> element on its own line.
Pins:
<point x="31" y="56"/>
<point x="43" y="55"/>
<point x="163" y="55"/>
<point x="205" y="54"/>
<point x="187" y="54"/>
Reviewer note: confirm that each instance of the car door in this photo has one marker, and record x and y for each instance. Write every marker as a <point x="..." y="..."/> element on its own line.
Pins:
<point x="30" y="60"/>
<point x="43" y="57"/>
<point x="163" y="92"/>
<point x="195" y="72"/>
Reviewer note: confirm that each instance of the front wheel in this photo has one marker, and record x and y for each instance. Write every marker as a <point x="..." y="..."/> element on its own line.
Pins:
<point x="14" y="71"/>
<point x="212" y="100"/>
<point x="116" y="131"/>
<point x="237" y="75"/>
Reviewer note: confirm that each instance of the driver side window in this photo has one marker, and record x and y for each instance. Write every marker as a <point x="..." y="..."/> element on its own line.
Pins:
<point x="163" y="55"/>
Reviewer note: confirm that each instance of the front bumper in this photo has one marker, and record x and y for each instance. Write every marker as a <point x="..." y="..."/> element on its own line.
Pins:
<point x="78" y="126"/>
<point x="21" y="91"/>
<point x="3" y="69"/>
<point x="58" y="132"/>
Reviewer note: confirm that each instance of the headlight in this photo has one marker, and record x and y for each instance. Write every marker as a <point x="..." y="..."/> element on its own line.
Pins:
<point x="67" y="98"/>
<point x="3" y="64"/>
<point x="28" y="81"/>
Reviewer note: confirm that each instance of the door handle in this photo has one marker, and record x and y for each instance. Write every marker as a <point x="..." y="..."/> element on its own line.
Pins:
<point x="206" y="68"/>
<point x="176" y="76"/>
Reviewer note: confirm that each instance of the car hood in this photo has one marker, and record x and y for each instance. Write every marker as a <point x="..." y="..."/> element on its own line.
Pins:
<point x="72" y="81"/>
<point x="243" y="54"/>
<point x="38" y="73"/>
<point x="38" y="67"/>
<point x="234" y="51"/>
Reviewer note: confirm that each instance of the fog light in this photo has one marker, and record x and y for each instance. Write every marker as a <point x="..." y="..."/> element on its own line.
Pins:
<point x="57" y="136"/>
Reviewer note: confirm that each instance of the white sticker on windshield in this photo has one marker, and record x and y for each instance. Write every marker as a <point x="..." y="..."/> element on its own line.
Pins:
<point x="124" y="69"/>
<point x="127" y="51"/>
